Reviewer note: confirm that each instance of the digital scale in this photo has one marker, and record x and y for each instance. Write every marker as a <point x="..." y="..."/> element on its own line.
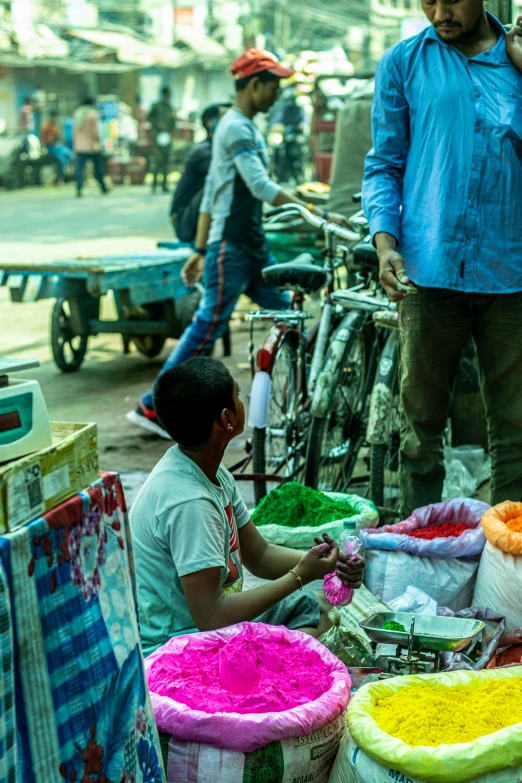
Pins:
<point x="24" y="420"/>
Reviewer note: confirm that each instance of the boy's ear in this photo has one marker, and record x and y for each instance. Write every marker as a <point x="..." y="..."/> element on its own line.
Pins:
<point x="225" y="420"/>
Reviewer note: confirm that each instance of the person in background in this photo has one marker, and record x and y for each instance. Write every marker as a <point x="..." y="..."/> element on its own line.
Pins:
<point x="189" y="191"/>
<point x="443" y="194"/>
<point x="163" y="122"/>
<point x="291" y="113"/>
<point x="353" y="140"/>
<point x="50" y="138"/>
<point x="192" y="533"/>
<point x="26" y="116"/>
<point x="139" y="113"/>
<point x="87" y="146"/>
<point x="231" y="244"/>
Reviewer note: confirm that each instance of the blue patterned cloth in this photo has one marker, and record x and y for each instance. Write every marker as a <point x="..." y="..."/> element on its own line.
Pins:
<point x="82" y="706"/>
<point x="7" y="691"/>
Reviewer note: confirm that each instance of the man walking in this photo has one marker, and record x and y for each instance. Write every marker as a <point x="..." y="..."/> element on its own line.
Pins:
<point x="447" y="135"/>
<point x="50" y="137"/>
<point x="230" y="241"/>
<point x="87" y="146"/>
<point x="189" y="190"/>
<point x="163" y="122"/>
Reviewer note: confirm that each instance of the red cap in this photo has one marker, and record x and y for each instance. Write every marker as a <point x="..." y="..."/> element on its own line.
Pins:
<point x="256" y="61"/>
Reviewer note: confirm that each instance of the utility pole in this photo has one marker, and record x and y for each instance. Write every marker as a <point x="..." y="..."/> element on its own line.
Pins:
<point x="210" y="17"/>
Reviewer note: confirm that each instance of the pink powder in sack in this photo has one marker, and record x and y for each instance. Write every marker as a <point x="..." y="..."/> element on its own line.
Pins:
<point x="244" y="675"/>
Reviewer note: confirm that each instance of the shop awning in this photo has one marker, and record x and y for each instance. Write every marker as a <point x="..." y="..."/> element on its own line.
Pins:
<point x="129" y="49"/>
<point x="202" y="46"/>
<point x="38" y="41"/>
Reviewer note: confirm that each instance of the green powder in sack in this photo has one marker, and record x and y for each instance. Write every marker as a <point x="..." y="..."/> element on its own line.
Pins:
<point x="294" y="505"/>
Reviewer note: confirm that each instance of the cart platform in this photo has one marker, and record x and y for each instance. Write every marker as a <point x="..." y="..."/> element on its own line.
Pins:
<point x="152" y="302"/>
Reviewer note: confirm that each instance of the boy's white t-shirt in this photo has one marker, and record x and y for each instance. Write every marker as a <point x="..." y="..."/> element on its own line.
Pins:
<point x="182" y="523"/>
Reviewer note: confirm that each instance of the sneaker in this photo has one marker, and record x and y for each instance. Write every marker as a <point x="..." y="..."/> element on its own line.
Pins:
<point x="145" y="418"/>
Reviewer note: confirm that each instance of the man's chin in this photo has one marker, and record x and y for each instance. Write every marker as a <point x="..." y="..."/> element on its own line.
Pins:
<point x="451" y="34"/>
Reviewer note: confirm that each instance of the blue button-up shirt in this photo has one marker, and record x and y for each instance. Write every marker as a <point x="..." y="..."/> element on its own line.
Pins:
<point x="447" y="134"/>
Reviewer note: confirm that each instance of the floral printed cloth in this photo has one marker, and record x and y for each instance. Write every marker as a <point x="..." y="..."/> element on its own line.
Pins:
<point x="83" y="713"/>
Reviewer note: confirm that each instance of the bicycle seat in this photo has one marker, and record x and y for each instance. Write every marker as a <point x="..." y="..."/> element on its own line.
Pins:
<point x="299" y="274"/>
<point x="364" y="254"/>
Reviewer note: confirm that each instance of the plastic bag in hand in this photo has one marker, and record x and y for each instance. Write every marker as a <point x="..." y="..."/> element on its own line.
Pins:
<point x="334" y="589"/>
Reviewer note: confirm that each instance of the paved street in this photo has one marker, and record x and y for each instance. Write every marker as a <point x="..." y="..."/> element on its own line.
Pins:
<point x="49" y="223"/>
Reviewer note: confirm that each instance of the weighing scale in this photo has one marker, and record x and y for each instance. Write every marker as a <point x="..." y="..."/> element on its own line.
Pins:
<point x="24" y="420"/>
<point x="418" y="648"/>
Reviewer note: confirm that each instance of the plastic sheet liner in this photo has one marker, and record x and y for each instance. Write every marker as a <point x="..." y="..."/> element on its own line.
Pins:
<point x="302" y="537"/>
<point x="470" y="543"/>
<point x="456" y="763"/>
<point x="353" y="765"/>
<point x="249" y="732"/>
<point x="494" y="526"/>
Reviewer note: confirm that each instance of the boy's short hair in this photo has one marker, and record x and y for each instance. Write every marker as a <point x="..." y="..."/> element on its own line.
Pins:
<point x="189" y="397"/>
<point x="265" y="77"/>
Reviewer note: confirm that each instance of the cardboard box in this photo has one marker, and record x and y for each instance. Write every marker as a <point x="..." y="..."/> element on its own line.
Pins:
<point x="34" y="484"/>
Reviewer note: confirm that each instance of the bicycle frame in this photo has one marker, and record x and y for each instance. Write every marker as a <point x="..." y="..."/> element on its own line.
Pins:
<point x="381" y="401"/>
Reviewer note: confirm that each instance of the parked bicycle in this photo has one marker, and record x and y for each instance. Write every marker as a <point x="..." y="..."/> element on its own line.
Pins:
<point x="286" y="392"/>
<point x="373" y="432"/>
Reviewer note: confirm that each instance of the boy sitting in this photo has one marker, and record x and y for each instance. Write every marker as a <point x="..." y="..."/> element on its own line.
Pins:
<point x="192" y="532"/>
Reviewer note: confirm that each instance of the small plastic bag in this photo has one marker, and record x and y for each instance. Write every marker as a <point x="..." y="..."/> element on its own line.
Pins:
<point x="335" y="591"/>
<point x="350" y="649"/>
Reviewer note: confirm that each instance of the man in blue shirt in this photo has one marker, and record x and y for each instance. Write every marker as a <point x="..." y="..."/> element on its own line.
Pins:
<point x="443" y="193"/>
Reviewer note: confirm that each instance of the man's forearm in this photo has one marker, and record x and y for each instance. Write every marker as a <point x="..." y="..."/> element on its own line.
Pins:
<point x="284" y="197"/>
<point x="203" y="230"/>
<point x="384" y="241"/>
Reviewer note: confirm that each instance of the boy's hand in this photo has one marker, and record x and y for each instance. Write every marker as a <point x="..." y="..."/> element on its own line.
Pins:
<point x="193" y="270"/>
<point x="318" y="562"/>
<point x="340" y="220"/>
<point x="349" y="569"/>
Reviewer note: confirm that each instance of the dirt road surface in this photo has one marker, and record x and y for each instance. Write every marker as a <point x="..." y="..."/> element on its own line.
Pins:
<point x="51" y="224"/>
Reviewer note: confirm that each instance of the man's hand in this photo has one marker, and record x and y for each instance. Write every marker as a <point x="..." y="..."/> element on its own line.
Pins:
<point x="349" y="569"/>
<point x="392" y="274"/>
<point x="319" y="561"/>
<point x="340" y="220"/>
<point x="514" y="44"/>
<point x="193" y="270"/>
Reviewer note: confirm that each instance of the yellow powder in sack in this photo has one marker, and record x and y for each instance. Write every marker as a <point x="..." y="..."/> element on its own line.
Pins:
<point x="439" y="716"/>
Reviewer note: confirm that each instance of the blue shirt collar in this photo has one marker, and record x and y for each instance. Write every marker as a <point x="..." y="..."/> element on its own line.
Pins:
<point x="496" y="55"/>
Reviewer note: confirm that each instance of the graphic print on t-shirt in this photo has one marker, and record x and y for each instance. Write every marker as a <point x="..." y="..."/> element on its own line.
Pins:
<point x="234" y="580"/>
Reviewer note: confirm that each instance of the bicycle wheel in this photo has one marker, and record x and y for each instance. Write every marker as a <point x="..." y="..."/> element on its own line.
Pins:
<point x="384" y="460"/>
<point x="335" y="439"/>
<point x="277" y="447"/>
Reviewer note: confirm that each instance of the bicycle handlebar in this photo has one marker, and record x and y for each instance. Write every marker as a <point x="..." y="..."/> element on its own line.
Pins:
<point x="313" y="220"/>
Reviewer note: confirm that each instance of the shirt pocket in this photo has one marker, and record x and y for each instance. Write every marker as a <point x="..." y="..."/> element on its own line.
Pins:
<point x="510" y="108"/>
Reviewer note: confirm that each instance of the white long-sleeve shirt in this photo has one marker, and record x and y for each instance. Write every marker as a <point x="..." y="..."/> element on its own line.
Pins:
<point x="237" y="184"/>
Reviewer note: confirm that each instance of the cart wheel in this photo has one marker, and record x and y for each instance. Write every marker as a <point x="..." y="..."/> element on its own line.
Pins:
<point x="68" y="348"/>
<point x="149" y="345"/>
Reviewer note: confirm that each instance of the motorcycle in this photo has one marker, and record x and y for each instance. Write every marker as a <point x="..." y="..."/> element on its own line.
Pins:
<point x="287" y="145"/>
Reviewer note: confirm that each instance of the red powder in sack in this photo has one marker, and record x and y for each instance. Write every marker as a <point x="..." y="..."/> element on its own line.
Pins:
<point x="447" y="530"/>
<point x="275" y="675"/>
